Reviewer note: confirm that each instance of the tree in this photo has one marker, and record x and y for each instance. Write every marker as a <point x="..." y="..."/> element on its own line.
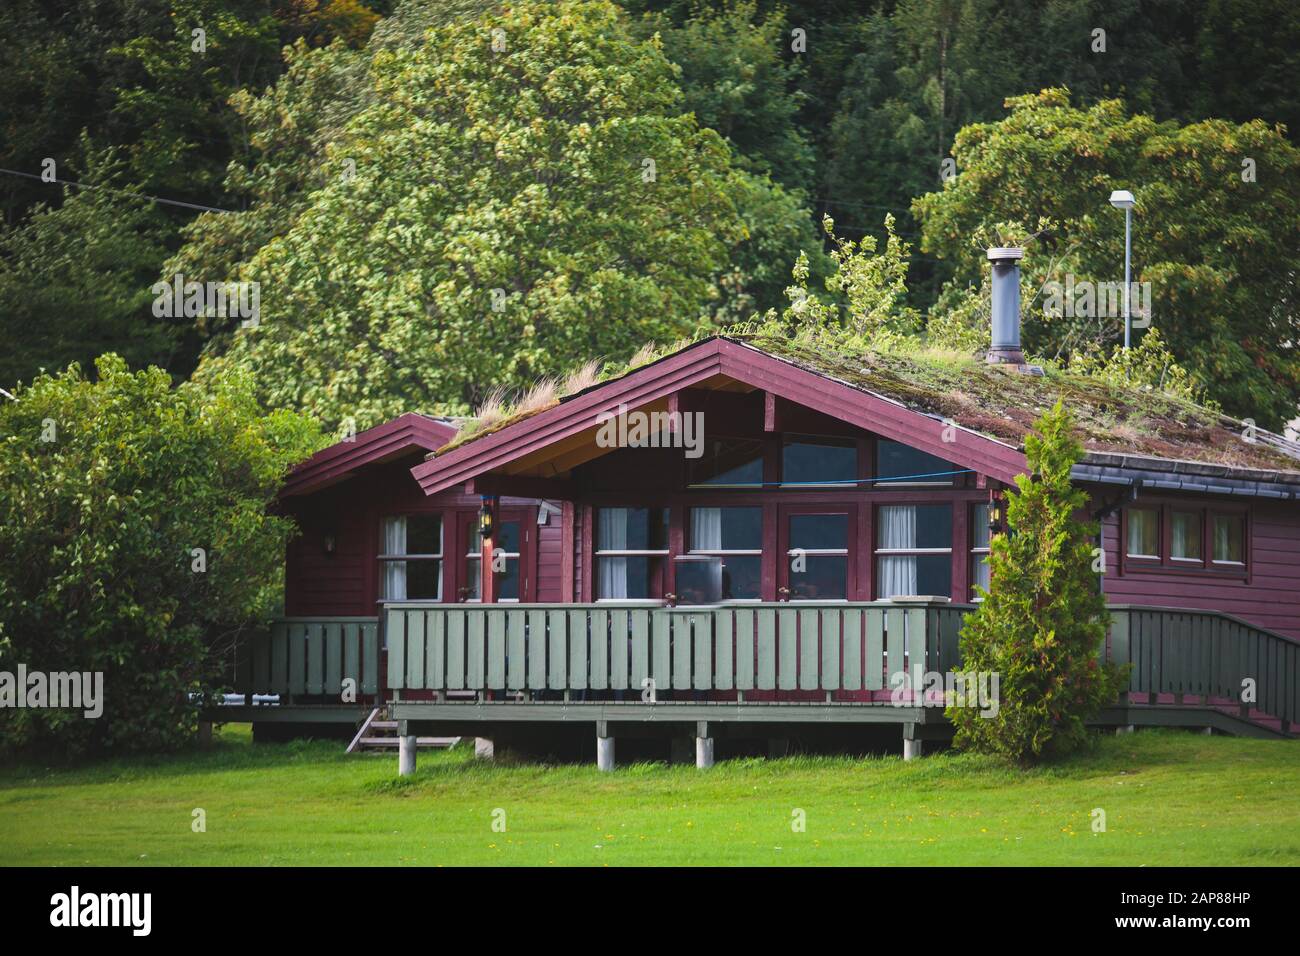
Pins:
<point x="1042" y="623"/>
<point x="1215" y="234"/>
<point x="74" y="279"/>
<point x="516" y="190"/>
<point x="134" y="541"/>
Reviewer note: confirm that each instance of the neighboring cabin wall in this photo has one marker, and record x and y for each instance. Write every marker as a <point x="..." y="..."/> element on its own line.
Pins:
<point x="1270" y="598"/>
<point x="346" y="583"/>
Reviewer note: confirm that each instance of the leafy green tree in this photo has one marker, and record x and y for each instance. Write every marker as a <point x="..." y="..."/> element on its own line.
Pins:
<point x="107" y="488"/>
<point x="1216" y="232"/>
<point x="1042" y="623"/>
<point x="74" y="279"/>
<point x="517" y="190"/>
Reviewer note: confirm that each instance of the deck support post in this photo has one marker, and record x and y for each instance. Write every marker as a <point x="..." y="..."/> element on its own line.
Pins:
<point x="912" y="748"/>
<point x="604" y="747"/>
<point x="484" y="749"/>
<point x="405" y="752"/>
<point x="703" y="745"/>
<point x="1208" y="731"/>
<point x="1124" y="729"/>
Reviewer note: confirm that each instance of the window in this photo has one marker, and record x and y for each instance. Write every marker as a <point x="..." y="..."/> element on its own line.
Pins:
<point x="727" y="462"/>
<point x="505" y="555"/>
<point x="724" y="556"/>
<point x="894" y="460"/>
<point x="410" y="559"/>
<point x="979" y="549"/>
<point x="1143" y="533"/>
<point x="819" y="557"/>
<point x="914" y="550"/>
<point x="630" y="546"/>
<point x="1229" y="539"/>
<point x="1186" y="541"/>
<point x="811" y="461"/>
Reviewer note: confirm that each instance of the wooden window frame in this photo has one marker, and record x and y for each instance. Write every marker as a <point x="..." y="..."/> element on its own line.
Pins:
<point x="660" y="580"/>
<point x="1206" y="566"/>
<point x="382" y="558"/>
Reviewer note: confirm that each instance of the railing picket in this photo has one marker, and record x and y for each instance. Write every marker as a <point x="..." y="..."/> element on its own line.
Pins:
<point x="557" y="649"/>
<point x="809" y="649"/>
<point x="724" y="677"/>
<point x="370" y="657"/>
<point x="605" y="645"/>
<point x="280" y="659"/>
<point x="851" y="648"/>
<point x="702" y="635"/>
<point x="832" y="620"/>
<point x="261" y="661"/>
<point x="874" y="663"/>
<point x="455" y="649"/>
<point x="681" y="651"/>
<point x="496" y="652"/>
<point x="766" y="640"/>
<point x="661" y="650"/>
<point x="516" y="650"/>
<point x="745" y="649"/>
<point x="315" y="658"/>
<point x="787" y="640"/>
<point x="475" y="648"/>
<point x="588" y="650"/>
<point x="415" y="651"/>
<point x="536" y="649"/>
<point x="640" y="640"/>
<point x="435" y="648"/>
<point x="297" y="658"/>
<point x="333" y="679"/>
<point x="895" y="637"/>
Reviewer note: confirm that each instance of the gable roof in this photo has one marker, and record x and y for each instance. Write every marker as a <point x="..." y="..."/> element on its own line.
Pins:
<point x="695" y="365"/>
<point x="910" y="398"/>
<point x="393" y="439"/>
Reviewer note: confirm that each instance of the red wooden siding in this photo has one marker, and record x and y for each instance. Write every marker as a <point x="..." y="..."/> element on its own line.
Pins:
<point x="1269" y="597"/>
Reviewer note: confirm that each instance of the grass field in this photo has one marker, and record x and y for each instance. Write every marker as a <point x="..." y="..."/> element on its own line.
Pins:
<point x="1169" y="799"/>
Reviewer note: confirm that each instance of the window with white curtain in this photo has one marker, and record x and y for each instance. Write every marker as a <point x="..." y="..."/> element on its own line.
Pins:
<point x="505" y="547"/>
<point x="979" y="549"/>
<point x="410" y="558"/>
<point x="631" y="544"/>
<point x="1143" y="533"/>
<point x="724" y="556"/>
<point x="1229" y="539"/>
<point x="1187" y="539"/>
<point x="913" y="550"/>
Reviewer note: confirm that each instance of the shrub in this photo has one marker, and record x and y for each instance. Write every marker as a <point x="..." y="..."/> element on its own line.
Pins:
<point x="1042" y="624"/>
<point x="107" y="487"/>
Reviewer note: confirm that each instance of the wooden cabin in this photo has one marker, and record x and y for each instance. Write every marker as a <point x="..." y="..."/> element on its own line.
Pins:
<point x="749" y="523"/>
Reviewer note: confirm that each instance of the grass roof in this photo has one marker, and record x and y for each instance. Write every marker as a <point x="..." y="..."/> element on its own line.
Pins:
<point x="1002" y="403"/>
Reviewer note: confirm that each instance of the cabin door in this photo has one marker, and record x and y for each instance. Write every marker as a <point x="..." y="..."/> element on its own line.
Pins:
<point x="511" y="549"/>
<point x="816" y="556"/>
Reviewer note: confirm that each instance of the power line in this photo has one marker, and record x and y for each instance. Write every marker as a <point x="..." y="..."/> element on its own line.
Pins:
<point x="120" y="192"/>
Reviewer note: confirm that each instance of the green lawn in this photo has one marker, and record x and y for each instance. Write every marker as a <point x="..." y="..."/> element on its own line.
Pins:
<point x="1169" y="798"/>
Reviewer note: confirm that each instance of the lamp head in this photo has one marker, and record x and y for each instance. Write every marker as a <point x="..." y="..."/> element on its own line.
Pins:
<point x="1122" y="199"/>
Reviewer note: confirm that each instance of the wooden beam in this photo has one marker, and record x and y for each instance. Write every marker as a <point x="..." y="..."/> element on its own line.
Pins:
<point x="769" y="412"/>
<point x="521" y="486"/>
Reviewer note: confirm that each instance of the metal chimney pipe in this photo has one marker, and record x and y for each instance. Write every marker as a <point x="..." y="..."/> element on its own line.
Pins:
<point x="1006" y="306"/>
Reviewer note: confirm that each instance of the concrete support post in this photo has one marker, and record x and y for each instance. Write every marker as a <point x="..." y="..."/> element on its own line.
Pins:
<point x="406" y="755"/>
<point x="1124" y="729"/>
<point x="704" y="752"/>
<point x="605" y="753"/>
<point x="484" y="749"/>
<point x="1208" y="731"/>
<point x="912" y="749"/>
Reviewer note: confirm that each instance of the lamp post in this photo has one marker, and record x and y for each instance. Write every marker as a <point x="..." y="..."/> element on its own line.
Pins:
<point x="1123" y="199"/>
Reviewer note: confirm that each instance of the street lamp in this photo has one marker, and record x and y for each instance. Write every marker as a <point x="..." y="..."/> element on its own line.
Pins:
<point x="1123" y="199"/>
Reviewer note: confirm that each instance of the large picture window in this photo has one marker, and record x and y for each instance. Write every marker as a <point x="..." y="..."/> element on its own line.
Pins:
<point x="813" y="461"/>
<point x="818" y="557"/>
<point x="906" y="466"/>
<point x="727" y="462"/>
<point x="410" y="558"/>
<point x="631" y="545"/>
<point x="724" y="556"/>
<point x="914" y="550"/>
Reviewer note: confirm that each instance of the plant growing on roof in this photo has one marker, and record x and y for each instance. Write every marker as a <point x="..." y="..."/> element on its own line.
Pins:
<point x="1043" y="620"/>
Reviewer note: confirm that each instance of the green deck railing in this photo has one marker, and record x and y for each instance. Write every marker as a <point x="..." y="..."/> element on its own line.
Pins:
<point x="312" y="657"/>
<point x="799" y="647"/>
<point x="1207" y="654"/>
<point x="567" y="647"/>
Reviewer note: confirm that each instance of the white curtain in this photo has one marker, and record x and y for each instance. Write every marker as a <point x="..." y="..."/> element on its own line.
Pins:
<point x="897" y="530"/>
<point x="611" y="535"/>
<point x="706" y="529"/>
<point x="1186" y="533"/>
<point x="395" y="571"/>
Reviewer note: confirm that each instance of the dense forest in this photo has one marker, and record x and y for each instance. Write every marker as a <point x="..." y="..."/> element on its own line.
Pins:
<point x="440" y="198"/>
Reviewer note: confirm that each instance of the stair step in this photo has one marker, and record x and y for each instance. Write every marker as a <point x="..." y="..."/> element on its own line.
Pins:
<point x="390" y="742"/>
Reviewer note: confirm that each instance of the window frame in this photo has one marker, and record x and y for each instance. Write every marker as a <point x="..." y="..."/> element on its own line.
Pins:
<point x="972" y="551"/>
<point x="658" y="576"/>
<point x="1206" y="565"/>
<point x="884" y="482"/>
<point x="876" y="551"/>
<point x="688" y="554"/>
<point x="382" y="558"/>
<point x="834" y="441"/>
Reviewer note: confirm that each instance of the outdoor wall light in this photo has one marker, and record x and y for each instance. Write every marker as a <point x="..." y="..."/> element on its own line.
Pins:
<point x="329" y="542"/>
<point x="485" y="520"/>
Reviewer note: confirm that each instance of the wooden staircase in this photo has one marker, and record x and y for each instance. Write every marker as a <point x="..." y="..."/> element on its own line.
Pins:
<point x="377" y="735"/>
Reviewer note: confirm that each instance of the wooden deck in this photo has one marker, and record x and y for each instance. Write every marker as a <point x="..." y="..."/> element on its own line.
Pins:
<point x="456" y="669"/>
